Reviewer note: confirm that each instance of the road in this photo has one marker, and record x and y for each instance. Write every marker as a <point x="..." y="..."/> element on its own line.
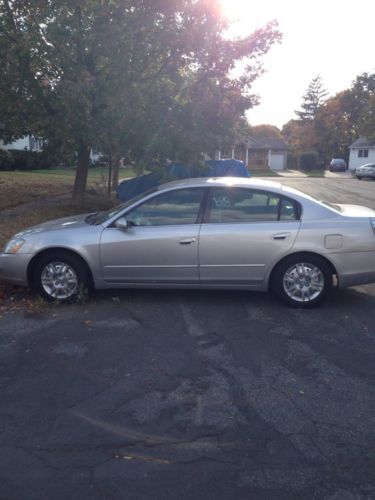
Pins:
<point x="192" y="395"/>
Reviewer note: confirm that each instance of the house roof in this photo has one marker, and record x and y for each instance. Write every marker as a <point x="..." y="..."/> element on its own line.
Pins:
<point x="265" y="143"/>
<point x="362" y="142"/>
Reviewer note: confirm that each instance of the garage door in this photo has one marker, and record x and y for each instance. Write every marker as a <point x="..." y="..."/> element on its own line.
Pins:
<point x="277" y="162"/>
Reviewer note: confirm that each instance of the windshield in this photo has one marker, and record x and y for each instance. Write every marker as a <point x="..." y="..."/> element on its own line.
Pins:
<point x="100" y="217"/>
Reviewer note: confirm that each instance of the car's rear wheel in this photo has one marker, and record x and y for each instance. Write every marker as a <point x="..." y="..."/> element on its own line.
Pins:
<point x="359" y="177"/>
<point x="302" y="280"/>
<point x="60" y="276"/>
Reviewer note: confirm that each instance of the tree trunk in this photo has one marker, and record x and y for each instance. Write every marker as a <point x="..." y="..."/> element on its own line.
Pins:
<point x="115" y="171"/>
<point x="81" y="173"/>
<point x="109" y="189"/>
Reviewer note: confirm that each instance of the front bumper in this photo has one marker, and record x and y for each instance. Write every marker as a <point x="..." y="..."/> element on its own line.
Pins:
<point x="13" y="268"/>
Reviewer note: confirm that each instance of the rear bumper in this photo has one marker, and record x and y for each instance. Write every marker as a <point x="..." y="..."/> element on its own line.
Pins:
<point x="13" y="268"/>
<point x="357" y="268"/>
<point x="346" y="280"/>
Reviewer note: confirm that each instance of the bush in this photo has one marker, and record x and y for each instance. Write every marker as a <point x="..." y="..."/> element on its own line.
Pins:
<point x="310" y="161"/>
<point x="292" y="161"/>
<point x="6" y="160"/>
<point x="24" y="159"/>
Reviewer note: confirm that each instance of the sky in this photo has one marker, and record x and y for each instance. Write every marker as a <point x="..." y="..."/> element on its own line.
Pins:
<point x="332" y="38"/>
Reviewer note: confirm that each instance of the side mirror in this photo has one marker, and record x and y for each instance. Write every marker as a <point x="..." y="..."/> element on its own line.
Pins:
<point x="122" y="224"/>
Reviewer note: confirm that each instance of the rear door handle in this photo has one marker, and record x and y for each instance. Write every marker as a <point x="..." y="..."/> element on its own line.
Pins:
<point x="281" y="236"/>
<point x="187" y="241"/>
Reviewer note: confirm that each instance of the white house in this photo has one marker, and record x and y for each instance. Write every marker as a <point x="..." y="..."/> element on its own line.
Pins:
<point x="260" y="153"/>
<point x="361" y="152"/>
<point x="29" y="142"/>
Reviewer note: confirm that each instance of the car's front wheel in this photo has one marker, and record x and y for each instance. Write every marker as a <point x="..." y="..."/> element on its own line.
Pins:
<point x="302" y="280"/>
<point x="61" y="276"/>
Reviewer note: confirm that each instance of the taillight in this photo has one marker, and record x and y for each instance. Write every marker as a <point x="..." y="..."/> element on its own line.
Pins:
<point x="372" y="222"/>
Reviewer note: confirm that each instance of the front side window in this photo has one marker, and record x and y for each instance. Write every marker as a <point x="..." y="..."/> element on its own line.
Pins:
<point x="246" y="205"/>
<point x="171" y="208"/>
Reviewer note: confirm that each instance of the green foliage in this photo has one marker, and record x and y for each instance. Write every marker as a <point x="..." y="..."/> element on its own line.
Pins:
<point x="330" y="126"/>
<point x="24" y="159"/>
<point x="141" y="79"/>
<point x="6" y="160"/>
<point x="313" y="99"/>
<point x="309" y="161"/>
<point x="292" y="161"/>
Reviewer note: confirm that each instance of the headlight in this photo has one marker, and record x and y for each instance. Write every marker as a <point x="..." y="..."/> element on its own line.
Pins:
<point x="14" y="245"/>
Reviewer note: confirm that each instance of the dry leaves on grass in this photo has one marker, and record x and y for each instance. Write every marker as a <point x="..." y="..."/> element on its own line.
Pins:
<point x="16" y="190"/>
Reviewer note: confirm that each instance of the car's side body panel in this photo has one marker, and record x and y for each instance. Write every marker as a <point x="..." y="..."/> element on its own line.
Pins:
<point x="243" y="253"/>
<point x="150" y="254"/>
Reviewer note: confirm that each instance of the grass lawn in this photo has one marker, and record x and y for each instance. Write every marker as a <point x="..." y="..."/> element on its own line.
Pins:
<point x="22" y="187"/>
<point x="50" y="190"/>
<point x="18" y="220"/>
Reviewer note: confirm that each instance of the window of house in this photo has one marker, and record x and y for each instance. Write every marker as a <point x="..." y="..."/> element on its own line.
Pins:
<point x="226" y="153"/>
<point x="171" y="208"/>
<point x="247" y="205"/>
<point x="362" y="153"/>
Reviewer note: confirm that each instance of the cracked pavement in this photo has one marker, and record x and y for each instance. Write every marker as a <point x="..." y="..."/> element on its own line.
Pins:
<point x="190" y="395"/>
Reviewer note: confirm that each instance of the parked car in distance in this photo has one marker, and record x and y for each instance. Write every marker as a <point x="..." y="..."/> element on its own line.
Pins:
<point x="223" y="233"/>
<point x="367" y="171"/>
<point x="337" y="165"/>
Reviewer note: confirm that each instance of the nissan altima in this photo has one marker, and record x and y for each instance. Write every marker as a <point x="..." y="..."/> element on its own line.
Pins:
<point x="227" y="233"/>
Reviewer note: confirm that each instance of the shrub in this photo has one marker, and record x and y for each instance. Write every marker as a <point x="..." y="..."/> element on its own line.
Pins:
<point x="309" y="161"/>
<point x="24" y="159"/>
<point x="6" y="160"/>
<point x="292" y="161"/>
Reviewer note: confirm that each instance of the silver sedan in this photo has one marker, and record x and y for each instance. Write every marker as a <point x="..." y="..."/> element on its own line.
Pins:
<point x="367" y="170"/>
<point x="228" y="233"/>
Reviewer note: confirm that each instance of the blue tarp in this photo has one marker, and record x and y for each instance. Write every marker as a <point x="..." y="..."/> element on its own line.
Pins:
<point x="215" y="168"/>
<point x="227" y="168"/>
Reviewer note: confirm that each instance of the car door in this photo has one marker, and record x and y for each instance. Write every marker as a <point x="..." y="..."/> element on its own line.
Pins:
<point x="244" y="233"/>
<point x="160" y="244"/>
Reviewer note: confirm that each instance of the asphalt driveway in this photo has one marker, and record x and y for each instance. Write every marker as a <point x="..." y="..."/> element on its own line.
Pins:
<point x="192" y="395"/>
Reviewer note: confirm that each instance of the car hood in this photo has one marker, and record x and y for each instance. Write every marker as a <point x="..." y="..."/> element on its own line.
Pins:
<point x="75" y="221"/>
<point x="355" y="210"/>
<point x="364" y="169"/>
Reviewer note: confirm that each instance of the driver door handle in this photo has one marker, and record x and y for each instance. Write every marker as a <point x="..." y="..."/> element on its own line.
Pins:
<point x="187" y="241"/>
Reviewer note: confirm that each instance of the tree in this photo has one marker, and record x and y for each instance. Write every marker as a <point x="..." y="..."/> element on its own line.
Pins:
<point x="123" y="75"/>
<point x="300" y="135"/>
<point x="313" y="99"/>
<point x="265" y="132"/>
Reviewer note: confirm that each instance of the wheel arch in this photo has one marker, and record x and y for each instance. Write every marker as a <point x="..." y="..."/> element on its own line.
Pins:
<point x="305" y="255"/>
<point x="46" y="251"/>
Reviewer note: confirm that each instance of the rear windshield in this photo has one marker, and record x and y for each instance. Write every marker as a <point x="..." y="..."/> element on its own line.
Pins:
<point x="331" y="205"/>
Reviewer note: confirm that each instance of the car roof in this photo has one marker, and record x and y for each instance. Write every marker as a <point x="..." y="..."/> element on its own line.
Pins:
<point x="276" y="187"/>
<point x="222" y="182"/>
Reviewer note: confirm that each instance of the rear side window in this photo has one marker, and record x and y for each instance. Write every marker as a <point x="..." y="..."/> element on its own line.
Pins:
<point x="289" y="210"/>
<point x="231" y="205"/>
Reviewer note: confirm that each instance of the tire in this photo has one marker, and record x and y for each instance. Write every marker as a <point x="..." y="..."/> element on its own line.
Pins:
<point x="359" y="178"/>
<point x="304" y="291"/>
<point x="61" y="277"/>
